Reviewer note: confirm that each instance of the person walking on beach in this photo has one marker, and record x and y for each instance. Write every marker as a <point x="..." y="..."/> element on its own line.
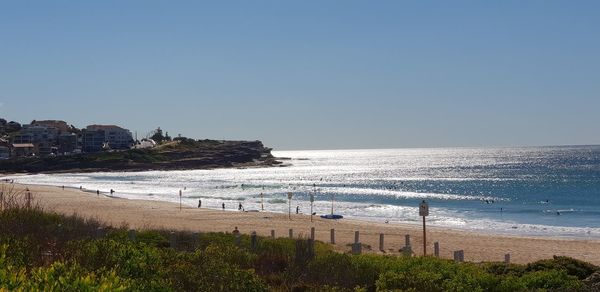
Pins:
<point x="199" y="203"/>
<point x="297" y="209"/>
<point x="98" y="192"/>
<point x="112" y="191"/>
<point x="223" y="205"/>
<point x="240" y="207"/>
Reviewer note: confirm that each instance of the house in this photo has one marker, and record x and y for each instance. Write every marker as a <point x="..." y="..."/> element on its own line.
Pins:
<point x="5" y="148"/>
<point x="96" y="137"/>
<point x="43" y="137"/>
<point x="67" y="143"/>
<point x="23" y="150"/>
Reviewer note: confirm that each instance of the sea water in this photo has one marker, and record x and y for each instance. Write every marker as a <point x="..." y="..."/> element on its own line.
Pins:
<point x="544" y="191"/>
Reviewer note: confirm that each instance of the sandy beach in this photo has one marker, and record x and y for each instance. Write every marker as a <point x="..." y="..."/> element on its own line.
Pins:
<point x="140" y="214"/>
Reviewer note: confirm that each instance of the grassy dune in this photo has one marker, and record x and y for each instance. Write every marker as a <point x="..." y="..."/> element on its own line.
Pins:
<point x="45" y="251"/>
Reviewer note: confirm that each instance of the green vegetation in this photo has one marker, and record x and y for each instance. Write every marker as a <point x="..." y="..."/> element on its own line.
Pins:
<point x="183" y="153"/>
<point x="45" y="251"/>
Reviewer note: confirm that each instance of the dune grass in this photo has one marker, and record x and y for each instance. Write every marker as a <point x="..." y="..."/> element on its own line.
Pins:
<point x="41" y="250"/>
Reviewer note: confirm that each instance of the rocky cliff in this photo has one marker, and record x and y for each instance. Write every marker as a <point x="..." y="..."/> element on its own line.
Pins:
<point x="186" y="154"/>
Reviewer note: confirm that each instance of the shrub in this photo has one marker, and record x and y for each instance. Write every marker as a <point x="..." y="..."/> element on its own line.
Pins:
<point x="573" y="267"/>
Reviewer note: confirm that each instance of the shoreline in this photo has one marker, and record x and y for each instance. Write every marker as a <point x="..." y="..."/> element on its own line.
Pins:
<point x="146" y="214"/>
<point x="358" y="220"/>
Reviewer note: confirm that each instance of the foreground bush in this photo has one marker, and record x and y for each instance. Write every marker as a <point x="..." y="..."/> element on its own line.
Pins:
<point x="42" y="251"/>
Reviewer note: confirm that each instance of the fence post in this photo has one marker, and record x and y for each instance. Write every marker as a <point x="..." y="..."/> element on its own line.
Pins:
<point x="459" y="256"/>
<point x="357" y="246"/>
<point x="272" y="233"/>
<point x="507" y="258"/>
<point x="407" y="249"/>
<point x="312" y="233"/>
<point x="196" y="239"/>
<point x="253" y="241"/>
<point x="132" y="234"/>
<point x="291" y="233"/>
<point x="332" y="240"/>
<point x="381" y="242"/>
<point x="99" y="232"/>
<point x="172" y="240"/>
<point x="436" y="249"/>
<point x="237" y="239"/>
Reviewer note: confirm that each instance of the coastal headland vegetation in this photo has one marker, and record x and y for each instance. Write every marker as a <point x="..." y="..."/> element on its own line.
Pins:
<point x="56" y="146"/>
<point x="172" y="155"/>
<point x="43" y="250"/>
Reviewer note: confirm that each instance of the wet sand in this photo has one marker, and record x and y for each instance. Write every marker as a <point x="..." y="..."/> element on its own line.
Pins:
<point x="140" y="214"/>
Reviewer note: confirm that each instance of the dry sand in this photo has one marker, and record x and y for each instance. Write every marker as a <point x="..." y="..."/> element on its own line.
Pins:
<point x="140" y="214"/>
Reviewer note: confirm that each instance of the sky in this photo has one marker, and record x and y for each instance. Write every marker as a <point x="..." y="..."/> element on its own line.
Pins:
<point x="310" y="74"/>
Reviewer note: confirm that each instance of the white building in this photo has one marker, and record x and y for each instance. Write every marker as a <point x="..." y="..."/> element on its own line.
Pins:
<point x="95" y="136"/>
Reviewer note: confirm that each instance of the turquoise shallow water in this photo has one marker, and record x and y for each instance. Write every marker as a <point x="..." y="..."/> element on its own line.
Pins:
<point x="548" y="191"/>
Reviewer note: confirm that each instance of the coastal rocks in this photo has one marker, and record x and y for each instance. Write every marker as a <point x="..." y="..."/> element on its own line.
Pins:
<point x="202" y="154"/>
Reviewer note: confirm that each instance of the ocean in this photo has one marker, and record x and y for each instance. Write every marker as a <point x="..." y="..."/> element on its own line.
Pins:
<point x="541" y="191"/>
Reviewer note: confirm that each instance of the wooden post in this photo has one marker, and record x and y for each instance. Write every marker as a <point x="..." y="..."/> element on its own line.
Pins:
<point x="237" y="238"/>
<point x="291" y="233"/>
<point x="424" y="211"/>
<point x="332" y="240"/>
<point x="132" y="234"/>
<point x="196" y="239"/>
<point x="272" y="233"/>
<point x="253" y="241"/>
<point x="507" y="258"/>
<point x="436" y="249"/>
<point x="407" y="249"/>
<point x="312" y="233"/>
<point x="172" y="240"/>
<point x="381" y="242"/>
<point x="99" y="232"/>
<point x="357" y="246"/>
<point x="459" y="256"/>
<point x="424" y="238"/>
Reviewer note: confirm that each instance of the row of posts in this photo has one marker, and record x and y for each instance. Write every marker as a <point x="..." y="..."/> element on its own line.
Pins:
<point x="458" y="255"/>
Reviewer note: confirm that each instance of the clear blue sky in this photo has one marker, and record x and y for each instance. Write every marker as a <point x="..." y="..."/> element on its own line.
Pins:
<point x="310" y="74"/>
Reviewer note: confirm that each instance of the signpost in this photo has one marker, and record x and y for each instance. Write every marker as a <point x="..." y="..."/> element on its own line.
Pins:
<point x="290" y="205"/>
<point x="424" y="211"/>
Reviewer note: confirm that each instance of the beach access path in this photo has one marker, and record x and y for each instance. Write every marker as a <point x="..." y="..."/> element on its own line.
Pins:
<point x="146" y="214"/>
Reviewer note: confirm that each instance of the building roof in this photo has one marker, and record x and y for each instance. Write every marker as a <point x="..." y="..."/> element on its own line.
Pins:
<point x="23" y="145"/>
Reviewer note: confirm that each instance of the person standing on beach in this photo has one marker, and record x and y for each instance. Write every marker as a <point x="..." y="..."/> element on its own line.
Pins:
<point x="199" y="203"/>
<point x="297" y="209"/>
<point x="112" y="191"/>
<point x="98" y="192"/>
<point x="223" y="205"/>
<point x="240" y="207"/>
